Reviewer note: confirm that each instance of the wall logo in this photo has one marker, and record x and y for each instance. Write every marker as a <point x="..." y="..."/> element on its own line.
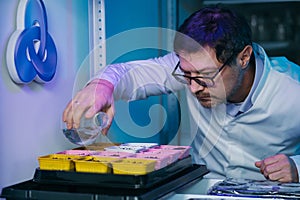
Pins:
<point x="31" y="53"/>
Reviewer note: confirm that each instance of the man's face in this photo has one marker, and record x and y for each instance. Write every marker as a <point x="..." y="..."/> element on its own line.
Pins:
<point x="205" y="64"/>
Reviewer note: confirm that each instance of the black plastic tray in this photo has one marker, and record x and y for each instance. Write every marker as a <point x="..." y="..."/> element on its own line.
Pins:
<point x="33" y="190"/>
<point x="113" y="180"/>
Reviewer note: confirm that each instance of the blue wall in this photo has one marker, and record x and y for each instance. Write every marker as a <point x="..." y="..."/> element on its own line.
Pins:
<point x="122" y="16"/>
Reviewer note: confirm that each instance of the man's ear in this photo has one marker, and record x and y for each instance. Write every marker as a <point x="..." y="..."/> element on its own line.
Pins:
<point x="244" y="56"/>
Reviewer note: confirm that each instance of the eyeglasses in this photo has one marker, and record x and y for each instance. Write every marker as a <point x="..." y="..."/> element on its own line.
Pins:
<point x="205" y="81"/>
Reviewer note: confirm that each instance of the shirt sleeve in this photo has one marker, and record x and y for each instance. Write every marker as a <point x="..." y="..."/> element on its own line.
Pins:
<point x="296" y="159"/>
<point x="142" y="78"/>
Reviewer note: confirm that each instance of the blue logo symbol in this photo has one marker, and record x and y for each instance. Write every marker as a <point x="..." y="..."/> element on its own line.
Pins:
<point x="31" y="53"/>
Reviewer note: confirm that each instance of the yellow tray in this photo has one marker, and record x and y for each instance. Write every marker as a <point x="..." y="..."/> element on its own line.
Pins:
<point x="95" y="164"/>
<point x="58" y="162"/>
<point x="133" y="166"/>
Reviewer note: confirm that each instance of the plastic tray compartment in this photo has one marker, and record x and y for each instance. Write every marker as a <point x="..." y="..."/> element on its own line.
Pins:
<point x="162" y="160"/>
<point x="58" y="162"/>
<point x="78" y="152"/>
<point x="184" y="151"/>
<point x="96" y="146"/>
<point x="128" y="149"/>
<point x="113" y="154"/>
<point x="133" y="166"/>
<point x="143" y="145"/>
<point x="95" y="164"/>
<point x="172" y="155"/>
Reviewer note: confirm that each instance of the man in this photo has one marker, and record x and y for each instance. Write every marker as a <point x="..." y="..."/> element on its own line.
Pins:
<point x="248" y="115"/>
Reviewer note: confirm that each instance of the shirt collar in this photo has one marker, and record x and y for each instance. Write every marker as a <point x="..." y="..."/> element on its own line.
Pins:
<point x="236" y="109"/>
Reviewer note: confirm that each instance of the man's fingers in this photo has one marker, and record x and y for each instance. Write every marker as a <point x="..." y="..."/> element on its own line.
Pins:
<point x="110" y="113"/>
<point x="258" y="164"/>
<point x="68" y="116"/>
<point x="278" y="168"/>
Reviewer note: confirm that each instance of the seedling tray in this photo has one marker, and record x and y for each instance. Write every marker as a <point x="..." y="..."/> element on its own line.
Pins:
<point x="115" y="180"/>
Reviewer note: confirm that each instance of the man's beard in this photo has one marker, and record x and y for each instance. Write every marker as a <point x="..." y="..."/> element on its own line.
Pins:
<point x="236" y="87"/>
<point x="208" y="101"/>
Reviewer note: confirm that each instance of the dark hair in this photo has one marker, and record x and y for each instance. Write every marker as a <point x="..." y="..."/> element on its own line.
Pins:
<point x="219" y="28"/>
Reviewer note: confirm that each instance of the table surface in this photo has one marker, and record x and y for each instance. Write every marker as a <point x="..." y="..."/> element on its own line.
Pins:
<point x="198" y="189"/>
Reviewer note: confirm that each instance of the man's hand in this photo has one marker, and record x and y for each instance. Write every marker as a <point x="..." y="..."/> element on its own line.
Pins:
<point x="96" y="96"/>
<point x="278" y="168"/>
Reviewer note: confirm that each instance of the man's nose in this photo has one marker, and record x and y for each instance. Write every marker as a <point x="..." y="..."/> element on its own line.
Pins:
<point x="195" y="87"/>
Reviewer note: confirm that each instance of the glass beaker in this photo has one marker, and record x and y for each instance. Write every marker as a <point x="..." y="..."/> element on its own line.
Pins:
<point x="88" y="130"/>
